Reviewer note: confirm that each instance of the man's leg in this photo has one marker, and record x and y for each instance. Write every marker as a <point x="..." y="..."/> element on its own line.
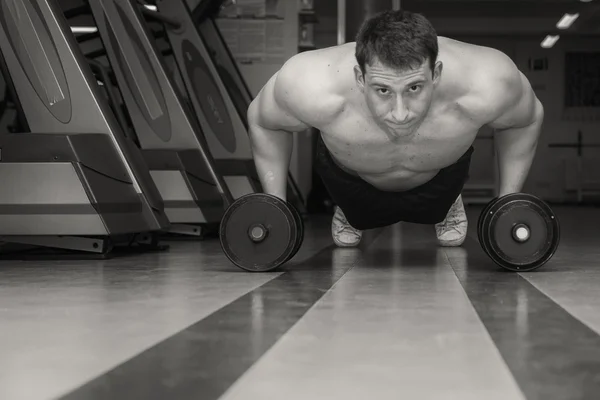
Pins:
<point x="452" y="231"/>
<point x="345" y="190"/>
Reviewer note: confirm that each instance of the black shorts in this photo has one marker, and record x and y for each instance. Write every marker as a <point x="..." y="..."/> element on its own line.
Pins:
<point x="367" y="207"/>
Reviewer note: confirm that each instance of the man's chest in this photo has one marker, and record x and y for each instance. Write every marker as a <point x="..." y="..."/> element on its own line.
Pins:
<point x="362" y="145"/>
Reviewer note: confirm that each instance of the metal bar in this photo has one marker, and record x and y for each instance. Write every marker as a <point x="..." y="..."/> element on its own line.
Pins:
<point x="84" y="29"/>
<point x="341" y="31"/>
<point x="111" y="92"/>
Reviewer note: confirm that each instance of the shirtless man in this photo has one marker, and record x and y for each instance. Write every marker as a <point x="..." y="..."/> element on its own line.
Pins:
<point x="398" y="111"/>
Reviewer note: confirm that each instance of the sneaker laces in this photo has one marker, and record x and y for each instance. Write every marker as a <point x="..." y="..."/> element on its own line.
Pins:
<point x="454" y="218"/>
<point x="346" y="229"/>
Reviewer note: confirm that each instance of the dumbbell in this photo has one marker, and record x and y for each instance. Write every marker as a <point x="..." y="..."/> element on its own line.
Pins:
<point x="260" y="232"/>
<point x="518" y="231"/>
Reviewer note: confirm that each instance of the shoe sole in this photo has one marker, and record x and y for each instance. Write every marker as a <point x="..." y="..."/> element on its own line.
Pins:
<point x="452" y="243"/>
<point x="342" y="244"/>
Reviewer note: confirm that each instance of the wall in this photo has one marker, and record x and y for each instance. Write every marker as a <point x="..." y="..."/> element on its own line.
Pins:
<point x="257" y="74"/>
<point x="326" y="30"/>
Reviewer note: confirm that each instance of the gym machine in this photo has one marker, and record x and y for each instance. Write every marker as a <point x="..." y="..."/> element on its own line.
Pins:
<point x="221" y="115"/>
<point x="222" y="58"/>
<point x="221" y="125"/>
<point x="280" y="230"/>
<point x="164" y="127"/>
<point x="73" y="181"/>
<point x="204" y="14"/>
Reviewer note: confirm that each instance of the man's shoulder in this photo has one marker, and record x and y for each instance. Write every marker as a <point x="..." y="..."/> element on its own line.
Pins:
<point x="495" y="84"/>
<point x="308" y="85"/>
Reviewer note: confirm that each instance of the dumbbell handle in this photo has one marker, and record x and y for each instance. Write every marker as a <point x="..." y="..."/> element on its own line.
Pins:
<point x="257" y="233"/>
<point x="521" y="233"/>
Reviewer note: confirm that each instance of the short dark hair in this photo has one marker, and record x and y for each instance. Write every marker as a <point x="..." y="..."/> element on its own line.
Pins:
<point x="398" y="39"/>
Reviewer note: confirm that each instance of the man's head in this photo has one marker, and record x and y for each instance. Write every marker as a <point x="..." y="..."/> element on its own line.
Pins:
<point x="397" y="67"/>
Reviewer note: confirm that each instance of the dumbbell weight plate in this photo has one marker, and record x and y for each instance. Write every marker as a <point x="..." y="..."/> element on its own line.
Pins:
<point x="281" y="232"/>
<point x="497" y="236"/>
<point x="480" y="220"/>
<point x="300" y="224"/>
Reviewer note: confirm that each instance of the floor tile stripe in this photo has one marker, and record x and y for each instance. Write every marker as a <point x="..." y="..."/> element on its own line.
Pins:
<point x="551" y="354"/>
<point x="204" y="360"/>
<point x="397" y="326"/>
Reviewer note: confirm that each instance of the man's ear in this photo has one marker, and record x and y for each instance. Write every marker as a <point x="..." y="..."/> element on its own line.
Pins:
<point x="437" y="72"/>
<point x="360" y="77"/>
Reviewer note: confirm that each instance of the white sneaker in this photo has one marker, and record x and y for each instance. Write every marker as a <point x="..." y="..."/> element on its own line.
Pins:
<point x="344" y="235"/>
<point x="452" y="231"/>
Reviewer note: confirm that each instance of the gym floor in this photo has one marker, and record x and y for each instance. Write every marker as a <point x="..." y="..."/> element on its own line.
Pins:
<point x="397" y="318"/>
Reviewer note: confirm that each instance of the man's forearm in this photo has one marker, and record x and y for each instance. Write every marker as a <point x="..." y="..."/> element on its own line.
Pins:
<point x="515" y="149"/>
<point x="272" y="152"/>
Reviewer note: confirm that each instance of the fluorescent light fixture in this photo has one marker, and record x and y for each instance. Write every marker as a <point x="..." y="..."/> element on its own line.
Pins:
<point x="567" y="20"/>
<point x="84" y="29"/>
<point x="151" y="7"/>
<point x="585" y="1"/>
<point x="549" y="41"/>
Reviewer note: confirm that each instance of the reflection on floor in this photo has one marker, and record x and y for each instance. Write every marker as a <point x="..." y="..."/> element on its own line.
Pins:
<point x="397" y="318"/>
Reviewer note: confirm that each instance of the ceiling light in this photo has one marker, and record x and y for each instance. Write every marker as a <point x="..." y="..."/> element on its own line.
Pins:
<point x="151" y="7"/>
<point x="84" y="29"/>
<point x="549" y="41"/>
<point x="567" y="20"/>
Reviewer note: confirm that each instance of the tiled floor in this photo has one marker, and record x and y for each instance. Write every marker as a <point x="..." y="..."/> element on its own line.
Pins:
<point x="397" y="318"/>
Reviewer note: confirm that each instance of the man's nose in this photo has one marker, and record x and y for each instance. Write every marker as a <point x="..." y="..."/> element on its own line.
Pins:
<point x="400" y="111"/>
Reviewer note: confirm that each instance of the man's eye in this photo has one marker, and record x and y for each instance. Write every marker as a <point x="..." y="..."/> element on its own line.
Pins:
<point x="383" y="91"/>
<point x="415" y="88"/>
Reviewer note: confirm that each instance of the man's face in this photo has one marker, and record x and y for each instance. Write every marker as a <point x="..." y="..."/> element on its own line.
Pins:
<point x="399" y="99"/>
